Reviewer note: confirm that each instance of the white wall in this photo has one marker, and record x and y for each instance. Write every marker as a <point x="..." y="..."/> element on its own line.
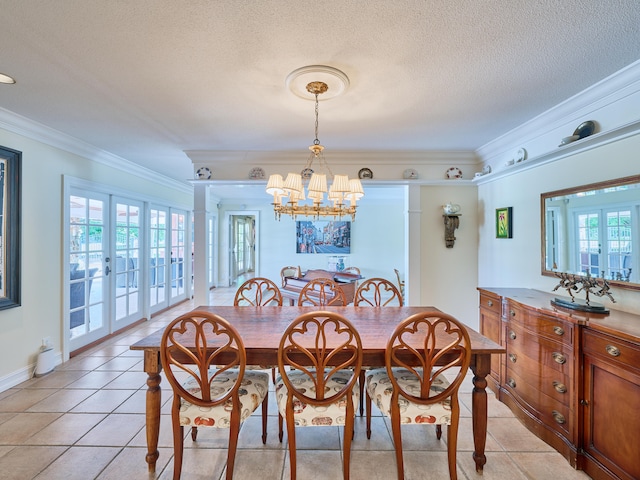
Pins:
<point x="377" y="239"/>
<point x="40" y="315"/>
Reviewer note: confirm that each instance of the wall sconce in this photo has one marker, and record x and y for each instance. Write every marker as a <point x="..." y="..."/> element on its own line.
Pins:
<point x="451" y="222"/>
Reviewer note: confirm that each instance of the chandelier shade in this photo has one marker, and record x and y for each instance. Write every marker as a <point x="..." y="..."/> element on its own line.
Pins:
<point x="289" y="193"/>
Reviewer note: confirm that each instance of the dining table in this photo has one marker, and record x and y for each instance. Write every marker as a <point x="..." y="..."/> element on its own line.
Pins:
<point x="261" y="329"/>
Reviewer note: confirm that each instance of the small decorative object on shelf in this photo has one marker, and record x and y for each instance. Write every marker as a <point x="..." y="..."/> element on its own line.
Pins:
<point x="453" y="173"/>
<point x="578" y="283"/>
<point x="451" y="208"/>
<point x="256" y="173"/>
<point x="521" y="155"/>
<point x="203" y="173"/>
<point x="410" y="174"/>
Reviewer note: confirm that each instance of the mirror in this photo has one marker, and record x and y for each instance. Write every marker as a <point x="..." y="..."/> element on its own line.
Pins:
<point x="594" y="229"/>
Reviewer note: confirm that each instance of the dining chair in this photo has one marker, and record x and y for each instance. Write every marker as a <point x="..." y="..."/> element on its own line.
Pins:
<point x="258" y="292"/>
<point x="400" y="282"/>
<point x="219" y="391"/>
<point x="375" y="292"/>
<point x="412" y="388"/>
<point x="289" y="271"/>
<point x="352" y="270"/>
<point x="319" y="362"/>
<point x="321" y="292"/>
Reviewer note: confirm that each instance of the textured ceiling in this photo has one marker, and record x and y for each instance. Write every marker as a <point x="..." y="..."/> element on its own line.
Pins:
<point x="148" y="79"/>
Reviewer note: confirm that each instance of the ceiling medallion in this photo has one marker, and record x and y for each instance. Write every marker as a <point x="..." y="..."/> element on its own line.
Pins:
<point x="335" y="80"/>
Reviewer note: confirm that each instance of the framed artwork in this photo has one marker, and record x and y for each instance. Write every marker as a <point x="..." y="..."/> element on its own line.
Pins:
<point x="504" y="222"/>
<point x="10" y="169"/>
<point x="321" y="236"/>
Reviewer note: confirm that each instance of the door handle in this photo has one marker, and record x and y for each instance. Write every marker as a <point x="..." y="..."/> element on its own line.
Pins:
<point x="107" y="270"/>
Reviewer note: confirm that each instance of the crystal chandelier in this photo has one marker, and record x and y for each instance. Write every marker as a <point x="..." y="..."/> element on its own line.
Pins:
<point x="289" y="194"/>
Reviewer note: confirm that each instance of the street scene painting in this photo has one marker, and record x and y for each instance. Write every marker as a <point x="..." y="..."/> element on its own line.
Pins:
<point x="322" y="236"/>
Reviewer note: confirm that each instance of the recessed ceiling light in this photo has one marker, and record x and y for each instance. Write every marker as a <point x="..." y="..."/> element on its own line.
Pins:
<point x="6" y="79"/>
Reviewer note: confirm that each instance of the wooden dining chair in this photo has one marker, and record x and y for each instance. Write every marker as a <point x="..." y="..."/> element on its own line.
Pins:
<point x="412" y="388"/>
<point x="258" y="292"/>
<point x="400" y="282"/>
<point x="355" y="270"/>
<point x="289" y="271"/>
<point x="218" y="392"/>
<point x="319" y="360"/>
<point x="375" y="292"/>
<point x="321" y="292"/>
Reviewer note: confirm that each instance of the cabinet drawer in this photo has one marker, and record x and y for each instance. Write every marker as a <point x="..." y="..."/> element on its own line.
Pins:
<point x="551" y="412"/>
<point x="540" y="350"/>
<point x="550" y="327"/>
<point x="544" y="380"/>
<point x="491" y="302"/>
<point x="617" y="351"/>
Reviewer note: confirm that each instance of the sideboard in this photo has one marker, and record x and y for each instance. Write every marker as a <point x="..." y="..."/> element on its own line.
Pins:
<point x="573" y="378"/>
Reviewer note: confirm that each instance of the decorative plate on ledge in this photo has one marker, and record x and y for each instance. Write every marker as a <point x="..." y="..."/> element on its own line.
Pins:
<point x="453" y="173"/>
<point x="365" y="173"/>
<point x="410" y="174"/>
<point x="203" y="173"/>
<point x="256" y="173"/>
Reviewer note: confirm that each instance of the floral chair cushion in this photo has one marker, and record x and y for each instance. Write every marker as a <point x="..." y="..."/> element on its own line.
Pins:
<point x="312" y="415"/>
<point x="254" y="388"/>
<point x="379" y="389"/>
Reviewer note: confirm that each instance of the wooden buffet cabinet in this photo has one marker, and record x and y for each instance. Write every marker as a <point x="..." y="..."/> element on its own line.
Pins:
<point x="573" y="378"/>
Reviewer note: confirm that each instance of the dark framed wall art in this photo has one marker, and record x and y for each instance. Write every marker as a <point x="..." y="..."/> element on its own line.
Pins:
<point x="10" y="210"/>
<point x="504" y="222"/>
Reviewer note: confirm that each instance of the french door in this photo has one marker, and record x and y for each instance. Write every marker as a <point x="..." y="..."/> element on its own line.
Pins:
<point x="104" y="265"/>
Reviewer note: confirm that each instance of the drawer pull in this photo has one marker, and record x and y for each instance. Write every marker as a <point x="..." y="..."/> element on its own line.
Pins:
<point x="560" y="387"/>
<point x="559" y="358"/>
<point x="511" y="382"/>
<point x="512" y="313"/>
<point x="558" y="417"/>
<point x="490" y="303"/>
<point x="558" y="330"/>
<point x="611" y="350"/>
<point x="512" y="335"/>
<point x="513" y="357"/>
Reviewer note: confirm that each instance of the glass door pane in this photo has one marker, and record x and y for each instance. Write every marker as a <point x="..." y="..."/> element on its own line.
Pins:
<point x="589" y="243"/>
<point x="88" y="262"/>
<point x="126" y="262"/>
<point x="178" y="249"/>
<point x="158" y="259"/>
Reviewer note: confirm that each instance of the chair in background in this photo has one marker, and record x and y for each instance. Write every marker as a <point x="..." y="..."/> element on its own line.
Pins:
<point x="258" y="292"/>
<point x="352" y="270"/>
<point x="400" y="283"/>
<point x="290" y="271"/>
<point x="219" y="396"/>
<point x="319" y="360"/>
<point x="417" y="395"/>
<point x="321" y="292"/>
<point x="375" y="292"/>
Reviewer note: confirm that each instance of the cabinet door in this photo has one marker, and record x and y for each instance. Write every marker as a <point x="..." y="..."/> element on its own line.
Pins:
<point x="611" y="419"/>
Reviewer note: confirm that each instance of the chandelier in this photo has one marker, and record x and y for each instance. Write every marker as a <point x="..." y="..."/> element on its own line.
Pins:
<point x="289" y="194"/>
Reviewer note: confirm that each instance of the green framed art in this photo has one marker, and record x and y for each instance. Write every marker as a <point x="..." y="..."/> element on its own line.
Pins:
<point x="504" y="222"/>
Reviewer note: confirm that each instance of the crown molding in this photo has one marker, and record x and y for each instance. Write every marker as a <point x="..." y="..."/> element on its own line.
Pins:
<point x="20" y="125"/>
<point x="344" y="157"/>
<point x="608" y="91"/>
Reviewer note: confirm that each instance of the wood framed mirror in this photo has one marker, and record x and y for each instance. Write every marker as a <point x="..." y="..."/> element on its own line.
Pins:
<point x="593" y="229"/>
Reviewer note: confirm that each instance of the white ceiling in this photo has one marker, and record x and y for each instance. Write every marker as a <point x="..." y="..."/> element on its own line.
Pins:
<point x="149" y="79"/>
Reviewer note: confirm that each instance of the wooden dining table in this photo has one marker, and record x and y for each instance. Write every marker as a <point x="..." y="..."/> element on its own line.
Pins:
<point x="262" y="327"/>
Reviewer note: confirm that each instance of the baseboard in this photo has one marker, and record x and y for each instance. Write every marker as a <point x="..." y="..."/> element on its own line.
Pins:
<point x="23" y="374"/>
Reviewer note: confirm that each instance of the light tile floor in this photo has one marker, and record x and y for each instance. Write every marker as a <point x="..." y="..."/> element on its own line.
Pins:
<point x="85" y="420"/>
